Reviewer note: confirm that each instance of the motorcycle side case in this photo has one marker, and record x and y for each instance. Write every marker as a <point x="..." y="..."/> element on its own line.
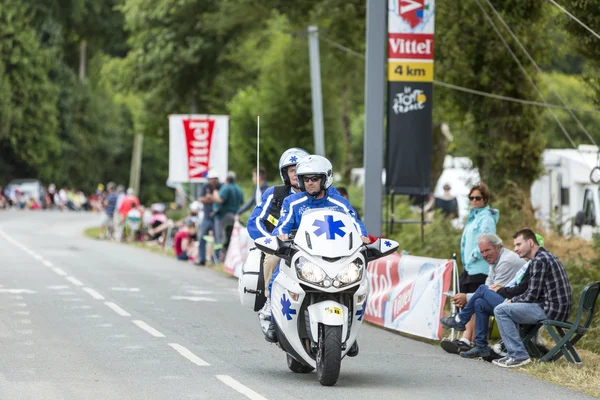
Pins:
<point x="251" y="284"/>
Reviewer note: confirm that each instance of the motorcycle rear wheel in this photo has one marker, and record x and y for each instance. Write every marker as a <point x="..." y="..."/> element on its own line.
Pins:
<point x="329" y="355"/>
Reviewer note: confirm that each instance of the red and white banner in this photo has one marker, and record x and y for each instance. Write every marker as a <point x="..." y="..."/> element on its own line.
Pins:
<point x="197" y="143"/>
<point x="237" y="252"/>
<point x="407" y="294"/>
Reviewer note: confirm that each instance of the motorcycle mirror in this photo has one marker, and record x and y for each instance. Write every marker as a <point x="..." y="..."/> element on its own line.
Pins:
<point x="267" y="244"/>
<point x="381" y="248"/>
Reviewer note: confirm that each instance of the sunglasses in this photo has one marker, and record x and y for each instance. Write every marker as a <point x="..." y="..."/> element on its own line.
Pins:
<point x="311" y="178"/>
<point x="476" y="198"/>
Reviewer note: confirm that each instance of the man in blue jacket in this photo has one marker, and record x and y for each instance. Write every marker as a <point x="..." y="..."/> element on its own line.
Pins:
<point x="315" y="176"/>
<point x="265" y="215"/>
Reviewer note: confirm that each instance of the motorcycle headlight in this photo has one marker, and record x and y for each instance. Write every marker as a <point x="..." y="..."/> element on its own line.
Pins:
<point x="309" y="272"/>
<point x="351" y="273"/>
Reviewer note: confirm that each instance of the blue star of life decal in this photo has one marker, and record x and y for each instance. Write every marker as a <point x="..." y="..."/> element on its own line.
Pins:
<point x="293" y="158"/>
<point x="361" y="313"/>
<point x="387" y="243"/>
<point x="286" y="308"/>
<point x="329" y="227"/>
<point x="268" y="240"/>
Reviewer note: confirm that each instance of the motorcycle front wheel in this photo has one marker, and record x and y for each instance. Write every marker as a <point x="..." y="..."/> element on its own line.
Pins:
<point x="329" y="354"/>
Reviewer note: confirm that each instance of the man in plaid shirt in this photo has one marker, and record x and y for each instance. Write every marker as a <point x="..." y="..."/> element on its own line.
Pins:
<point x="548" y="296"/>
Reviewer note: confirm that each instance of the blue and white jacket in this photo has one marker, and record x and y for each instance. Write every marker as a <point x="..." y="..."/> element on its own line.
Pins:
<point x="295" y="205"/>
<point x="256" y="222"/>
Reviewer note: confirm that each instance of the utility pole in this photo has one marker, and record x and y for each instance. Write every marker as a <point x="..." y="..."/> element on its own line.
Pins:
<point x="374" y="113"/>
<point x="315" y="86"/>
<point x="136" y="163"/>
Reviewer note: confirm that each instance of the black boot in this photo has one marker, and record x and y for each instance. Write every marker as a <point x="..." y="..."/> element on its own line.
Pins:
<point x="271" y="336"/>
<point x="353" y="352"/>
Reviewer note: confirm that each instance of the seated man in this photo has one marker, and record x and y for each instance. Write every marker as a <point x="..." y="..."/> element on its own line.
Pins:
<point x="184" y="246"/>
<point x="503" y="265"/>
<point x="315" y="176"/>
<point x="548" y="296"/>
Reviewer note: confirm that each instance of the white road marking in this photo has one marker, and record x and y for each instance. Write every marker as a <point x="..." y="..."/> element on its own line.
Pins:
<point x="95" y="316"/>
<point x="200" y="292"/>
<point x="24" y="331"/>
<point x="117" y="309"/>
<point x="193" y="298"/>
<point x="17" y="291"/>
<point x="93" y="293"/>
<point x="147" y="328"/>
<point x="189" y="355"/>
<point x="25" y="321"/>
<point x="232" y="383"/>
<point x="125" y="289"/>
<point x="58" y="287"/>
<point x="47" y="263"/>
<point x="59" y="271"/>
<point x="74" y="281"/>
<point x="73" y="299"/>
<point x="21" y="304"/>
<point x="84" y="307"/>
<point x="105" y="326"/>
<point x="37" y="257"/>
<point x="67" y="293"/>
<point x="21" y="312"/>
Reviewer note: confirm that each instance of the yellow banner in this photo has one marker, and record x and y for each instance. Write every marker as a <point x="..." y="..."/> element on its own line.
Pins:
<point x="410" y="71"/>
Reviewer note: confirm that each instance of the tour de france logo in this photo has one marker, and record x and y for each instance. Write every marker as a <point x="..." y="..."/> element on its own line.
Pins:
<point x="409" y="100"/>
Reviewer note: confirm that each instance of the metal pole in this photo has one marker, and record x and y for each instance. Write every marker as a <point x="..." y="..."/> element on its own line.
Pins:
<point x="374" y="113"/>
<point x="315" y="86"/>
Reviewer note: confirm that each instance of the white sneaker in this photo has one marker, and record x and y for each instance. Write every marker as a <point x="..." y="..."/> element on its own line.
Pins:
<point x="265" y="312"/>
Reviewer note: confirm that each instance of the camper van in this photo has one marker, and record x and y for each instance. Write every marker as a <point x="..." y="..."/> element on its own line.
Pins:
<point x="565" y="196"/>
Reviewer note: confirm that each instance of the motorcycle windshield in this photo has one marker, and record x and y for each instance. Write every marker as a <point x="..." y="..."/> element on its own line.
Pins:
<point x="329" y="233"/>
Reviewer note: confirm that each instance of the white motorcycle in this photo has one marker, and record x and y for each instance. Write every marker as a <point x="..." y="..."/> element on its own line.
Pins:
<point x="319" y="296"/>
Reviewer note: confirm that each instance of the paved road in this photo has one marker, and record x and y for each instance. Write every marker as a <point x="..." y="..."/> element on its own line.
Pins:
<point x="85" y="319"/>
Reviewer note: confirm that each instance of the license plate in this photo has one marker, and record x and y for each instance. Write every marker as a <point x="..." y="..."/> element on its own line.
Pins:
<point x="333" y="310"/>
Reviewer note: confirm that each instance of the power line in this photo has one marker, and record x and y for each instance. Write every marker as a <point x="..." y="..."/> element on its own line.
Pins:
<point x="467" y="90"/>
<point x="514" y="56"/>
<point x="539" y="70"/>
<point x="575" y="18"/>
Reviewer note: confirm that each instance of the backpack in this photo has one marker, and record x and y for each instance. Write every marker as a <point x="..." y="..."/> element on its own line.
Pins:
<point x="280" y="192"/>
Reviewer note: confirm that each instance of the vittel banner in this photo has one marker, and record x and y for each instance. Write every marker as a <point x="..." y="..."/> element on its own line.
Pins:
<point x="410" y="77"/>
<point x="407" y="294"/>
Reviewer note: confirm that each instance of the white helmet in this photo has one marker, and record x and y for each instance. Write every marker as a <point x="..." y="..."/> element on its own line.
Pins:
<point x="288" y="158"/>
<point x="195" y="206"/>
<point x="315" y="165"/>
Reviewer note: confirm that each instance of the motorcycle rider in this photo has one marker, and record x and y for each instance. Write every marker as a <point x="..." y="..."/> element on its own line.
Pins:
<point x="315" y="176"/>
<point x="265" y="215"/>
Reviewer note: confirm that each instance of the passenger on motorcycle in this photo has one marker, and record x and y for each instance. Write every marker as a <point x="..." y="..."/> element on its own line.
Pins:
<point x="265" y="215"/>
<point x="315" y="176"/>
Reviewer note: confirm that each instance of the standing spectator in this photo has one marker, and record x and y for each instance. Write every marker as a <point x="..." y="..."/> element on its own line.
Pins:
<point x="548" y="296"/>
<point x="133" y="221"/>
<point x="482" y="219"/>
<point x="230" y="197"/>
<point x="207" y="224"/>
<point x="110" y="205"/>
<point x="262" y="173"/>
<point x="129" y="201"/>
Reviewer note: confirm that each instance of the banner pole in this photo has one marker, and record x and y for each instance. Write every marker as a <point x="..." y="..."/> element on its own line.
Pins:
<point x="454" y="281"/>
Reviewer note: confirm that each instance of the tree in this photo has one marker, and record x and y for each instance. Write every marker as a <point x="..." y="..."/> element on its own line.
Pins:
<point x="28" y="132"/>
<point x="503" y="138"/>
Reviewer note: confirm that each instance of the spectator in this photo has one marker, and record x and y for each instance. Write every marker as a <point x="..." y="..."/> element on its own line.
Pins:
<point x="263" y="186"/>
<point x="110" y="205"/>
<point x="184" y="246"/>
<point x="503" y="266"/>
<point x="133" y="221"/>
<point x="548" y="296"/>
<point x="482" y="219"/>
<point x="158" y="221"/>
<point x="207" y="224"/>
<point x="344" y="193"/>
<point x="447" y="203"/>
<point x="230" y="197"/>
